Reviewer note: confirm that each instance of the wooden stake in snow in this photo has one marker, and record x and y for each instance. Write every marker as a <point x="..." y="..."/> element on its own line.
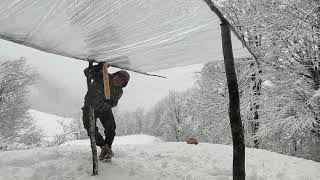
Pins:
<point x="92" y="130"/>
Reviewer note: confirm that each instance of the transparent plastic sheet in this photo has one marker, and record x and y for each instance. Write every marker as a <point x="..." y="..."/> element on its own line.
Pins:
<point x="143" y="35"/>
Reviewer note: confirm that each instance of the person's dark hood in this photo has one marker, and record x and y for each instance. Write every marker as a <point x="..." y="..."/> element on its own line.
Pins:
<point x="126" y="76"/>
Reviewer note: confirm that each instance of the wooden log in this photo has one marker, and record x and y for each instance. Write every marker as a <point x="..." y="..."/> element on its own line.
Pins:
<point x="92" y="130"/>
<point x="93" y="142"/>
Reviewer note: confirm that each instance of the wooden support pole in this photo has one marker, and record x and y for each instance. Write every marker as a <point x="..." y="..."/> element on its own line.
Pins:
<point x="234" y="105"/>
<point x="106" y="81"/>
<point x="92" y="130"/>
<point x="234" y="100"/>
<point x="93" y="142"/>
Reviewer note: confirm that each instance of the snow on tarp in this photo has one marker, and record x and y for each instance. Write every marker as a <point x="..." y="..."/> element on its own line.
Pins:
<point x="144" y="35"/>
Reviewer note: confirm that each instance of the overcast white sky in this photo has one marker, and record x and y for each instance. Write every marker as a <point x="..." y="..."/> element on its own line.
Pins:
<point x="142" y="91"/>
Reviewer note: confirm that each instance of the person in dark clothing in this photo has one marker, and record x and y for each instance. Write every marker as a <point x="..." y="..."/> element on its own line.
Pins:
<point x="102" y="106"/>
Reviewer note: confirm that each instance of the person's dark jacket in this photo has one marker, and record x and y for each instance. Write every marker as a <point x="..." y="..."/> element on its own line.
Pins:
<point x="96" y="90"/>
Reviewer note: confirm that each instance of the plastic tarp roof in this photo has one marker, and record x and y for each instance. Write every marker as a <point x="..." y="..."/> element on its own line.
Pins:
<point x="143" y="35"/>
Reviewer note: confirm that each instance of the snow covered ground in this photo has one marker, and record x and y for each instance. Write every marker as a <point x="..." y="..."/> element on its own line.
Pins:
<point x="143" y="157"/>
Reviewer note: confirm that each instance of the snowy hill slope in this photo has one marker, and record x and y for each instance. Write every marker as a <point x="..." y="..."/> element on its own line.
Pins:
<point x="49" y="123"/>
<point x="151" y="159"/>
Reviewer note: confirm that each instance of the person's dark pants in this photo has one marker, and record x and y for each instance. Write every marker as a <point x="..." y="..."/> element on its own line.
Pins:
<point x="107" y="121"/>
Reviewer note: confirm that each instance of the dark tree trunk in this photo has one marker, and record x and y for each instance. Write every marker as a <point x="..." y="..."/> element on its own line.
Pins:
<point x="295" y="146"/>
<point x="256" y="88"/>
<point x="234" y="105"/>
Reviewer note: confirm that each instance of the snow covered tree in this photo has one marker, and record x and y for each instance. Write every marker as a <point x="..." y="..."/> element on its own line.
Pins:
<point x="168" y="118"/>
<point x="139" y="116"/>
<point x="175" y="112"/>
<point x="286" y="38"/>
<point x="129" y="122"/>
<point x="208" y="103"/>
<point x="154" y="117"/>
<point x="287" y="112"/>
<point x="122" y="122"/>
<point x="15" y="78"/>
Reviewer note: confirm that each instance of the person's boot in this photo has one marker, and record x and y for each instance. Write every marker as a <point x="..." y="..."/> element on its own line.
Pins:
<point x="104" y="150"/>
<point x="106" y="153"/>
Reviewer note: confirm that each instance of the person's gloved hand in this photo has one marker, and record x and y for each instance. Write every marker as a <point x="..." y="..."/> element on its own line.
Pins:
<point x="100" y="65"/>
<point x="93" y="70"/>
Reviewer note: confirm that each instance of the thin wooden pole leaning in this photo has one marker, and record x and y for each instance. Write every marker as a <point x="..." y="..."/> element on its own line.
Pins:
<point x="92" y="130"/>
<point x="234" y="100"/>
